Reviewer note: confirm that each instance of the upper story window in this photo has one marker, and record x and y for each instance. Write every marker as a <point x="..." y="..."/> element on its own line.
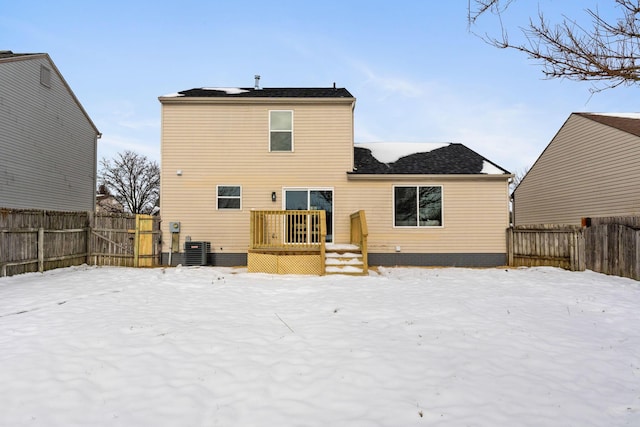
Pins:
<point x="417" y="206"/>
<point x="45" y="76"/>
<point x="229" y="197"/>
<point x="280" y="130"/>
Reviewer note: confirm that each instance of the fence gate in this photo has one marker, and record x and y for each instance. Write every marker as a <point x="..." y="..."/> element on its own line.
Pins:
<point x="144" y="254"/>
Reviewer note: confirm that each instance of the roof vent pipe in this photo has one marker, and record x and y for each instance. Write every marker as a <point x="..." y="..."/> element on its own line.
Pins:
<point x="257" y="77"/>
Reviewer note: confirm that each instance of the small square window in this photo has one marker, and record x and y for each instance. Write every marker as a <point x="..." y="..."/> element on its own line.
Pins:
<point x="229" y="197"/>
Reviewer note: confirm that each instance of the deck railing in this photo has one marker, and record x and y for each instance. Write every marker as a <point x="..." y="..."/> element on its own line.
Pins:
<point x="288" y="230"/>
<point x="359" y="235"/>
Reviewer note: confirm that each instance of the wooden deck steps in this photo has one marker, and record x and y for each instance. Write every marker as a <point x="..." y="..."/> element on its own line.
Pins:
<point x="344" y="259"/>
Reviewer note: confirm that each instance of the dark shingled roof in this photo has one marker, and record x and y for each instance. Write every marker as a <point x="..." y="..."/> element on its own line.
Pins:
<point x="451" y="159"/>
<point x="626" y="124"/>
<point x="9" y="54"/>
<point x="273" y="92"/>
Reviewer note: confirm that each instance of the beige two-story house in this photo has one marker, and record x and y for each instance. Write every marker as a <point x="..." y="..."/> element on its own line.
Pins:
<point x="271" y="178"/>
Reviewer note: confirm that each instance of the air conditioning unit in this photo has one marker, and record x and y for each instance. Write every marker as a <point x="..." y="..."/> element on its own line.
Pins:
<point x="196" y="252"/>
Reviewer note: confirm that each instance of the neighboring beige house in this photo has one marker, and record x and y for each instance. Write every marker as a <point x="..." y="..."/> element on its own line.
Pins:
<point x="238" y="165"/>
<point x="589" y="169"/>
<point x="48" y="142"/>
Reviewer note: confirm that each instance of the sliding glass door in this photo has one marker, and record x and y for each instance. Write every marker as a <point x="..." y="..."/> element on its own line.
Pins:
<point x="311" y="199"/>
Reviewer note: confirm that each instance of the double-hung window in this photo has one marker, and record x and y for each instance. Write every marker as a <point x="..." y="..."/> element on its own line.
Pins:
<point x="280" y="130"/>
<point x="417" y="206"/>
<point x="229" y="197"/>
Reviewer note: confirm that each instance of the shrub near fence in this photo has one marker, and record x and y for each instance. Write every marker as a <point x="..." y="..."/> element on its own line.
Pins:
<point x="35" y="240"/>
<point x="609" y="245"/>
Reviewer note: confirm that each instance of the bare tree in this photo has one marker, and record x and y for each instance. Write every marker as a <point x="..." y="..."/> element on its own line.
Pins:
<point x="133" y="180"/>
<point x="518" y="177"/>
<point x="607" y="52"/>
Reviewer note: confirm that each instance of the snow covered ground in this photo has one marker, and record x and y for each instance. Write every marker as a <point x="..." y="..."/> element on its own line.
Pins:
<point x="204" y="346"/>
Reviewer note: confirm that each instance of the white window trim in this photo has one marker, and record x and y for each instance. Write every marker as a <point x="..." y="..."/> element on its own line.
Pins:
<point x="292" y="127"/>
<point x="228" y="197"/>
<point x="284" y="189"/>
<point x="309" y="189"/>
<point x="417" y="226"/>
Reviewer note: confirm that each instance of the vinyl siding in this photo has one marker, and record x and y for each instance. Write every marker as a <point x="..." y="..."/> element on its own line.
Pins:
<point x="475" y="216"/>
<point x="229" y="145"/>
<point x="47" y="144"/>
<point x="587" y="170"/>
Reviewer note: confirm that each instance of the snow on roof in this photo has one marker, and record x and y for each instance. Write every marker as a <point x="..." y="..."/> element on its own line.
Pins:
<point x="172" y="95"/>
<point x="491" y="169"/>
<point x="227" y="90"/>
<point x="625" y="115"/>
<point x="389" y="152"/>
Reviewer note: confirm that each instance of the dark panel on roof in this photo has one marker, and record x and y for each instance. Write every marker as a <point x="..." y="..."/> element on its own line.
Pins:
<point x="274" y="92"/>
<point x="625" y="124"/>
<point x="9" y="54"/>
<point x="452" y="159"/>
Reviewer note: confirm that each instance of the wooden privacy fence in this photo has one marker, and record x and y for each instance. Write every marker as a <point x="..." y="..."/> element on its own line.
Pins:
<point x="609" y="245"/>
<point x="124" y="240"/>
<point x="551" y="245"/>
<point x="613" y="246"/>
<point x="35" y="240"/>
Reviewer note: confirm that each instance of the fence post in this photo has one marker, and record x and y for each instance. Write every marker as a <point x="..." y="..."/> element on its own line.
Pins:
<point x="510" y="246"/>
<point x="89" y="228"/>
<point x="136" y="243"/>
<point x="582" y="253"/>
<point x="636" y="268"/>
<point x="3" y="267"/>
<point x="573" y="251"/>
<point x="41" y="249"/>
<point x="577" y="251"/>
<point x="621" y="264"/>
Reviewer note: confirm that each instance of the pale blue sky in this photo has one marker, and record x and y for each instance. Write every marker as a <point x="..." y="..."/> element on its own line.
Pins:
<point x="416" y="71"/>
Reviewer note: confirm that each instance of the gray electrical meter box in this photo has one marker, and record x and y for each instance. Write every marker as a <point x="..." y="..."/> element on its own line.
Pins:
<point x="174" y="227"/>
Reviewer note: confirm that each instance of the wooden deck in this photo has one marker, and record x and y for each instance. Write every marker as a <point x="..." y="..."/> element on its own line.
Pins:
<point x="294" y="242"/>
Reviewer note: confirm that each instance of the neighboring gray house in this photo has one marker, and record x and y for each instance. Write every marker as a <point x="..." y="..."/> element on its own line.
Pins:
<point x="590" y="168"/>
<point x="48" y="142"/>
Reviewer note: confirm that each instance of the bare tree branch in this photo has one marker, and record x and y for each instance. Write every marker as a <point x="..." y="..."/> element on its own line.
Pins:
<point x="483" y="6"/>
<point x="607" y="52"/>
<point x="518" y="177"/>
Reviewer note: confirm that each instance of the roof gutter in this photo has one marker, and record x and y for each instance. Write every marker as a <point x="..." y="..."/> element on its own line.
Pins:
<point x="252" y="101"/>
<point x="351" y="176"/>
